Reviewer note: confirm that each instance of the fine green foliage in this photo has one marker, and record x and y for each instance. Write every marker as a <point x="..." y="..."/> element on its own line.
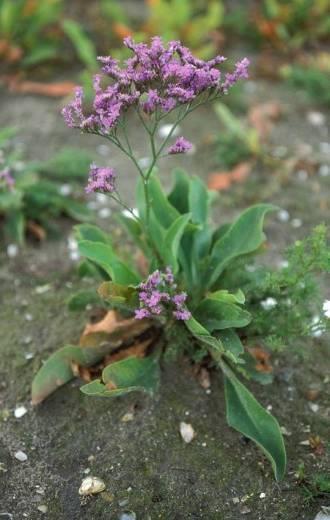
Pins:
<point x="33" y="194"/>
<point x="311" y="80"/>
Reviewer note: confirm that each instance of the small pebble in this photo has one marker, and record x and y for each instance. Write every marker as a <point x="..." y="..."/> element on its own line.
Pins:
<point x="129" y="416"/>
<point x="65" y="190"/>
<point x="187" y="432"/>
<point x="324" y="514"/>
<point x="268" y="304"/>
<point x="316" y="118"/>
<point x="236" y="500"/>
<point x="12" y="250"/>
<point x="324" y="170"/>
<point x="314" y="407"/>
<point x="104" y="213"/>
<point x="27" y="340"/>
<point x="262" y="495"/>
<point x="144" y="162"/>
<point x="296" y="222"/>
<point x="101" y="198"/>
<point x="21" y="456"/>
<point x="43" y="508"/>
<point x="302" y="175"/>
<point x="28" y="316"/>
<point x="283" y="215"/>
<point x="127" y="515"/>
<point x="42" y="289"/>
<point x="325" y="148"/>
<point x="28" y="355"/>
<point x="91" y="486"/>
<point x="164" y="131"/>
<point x="20" y="411"/>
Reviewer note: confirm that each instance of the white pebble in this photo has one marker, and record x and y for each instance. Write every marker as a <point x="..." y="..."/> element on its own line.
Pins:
<point x="74" y="256"/>
<point x="324" y="170"/>
<point x="164" y="131"/>
<point x="104" y="213"/>
<point x="91" y="486"/>
<point x="12" y="250"/>
<point x="101" y="198"/>
<point x="144" y="162"/>
<point x="302" y="175"/>
<point x="296" y="222"/>
<point x="65" y="190"/>
<point x="21" y="456"/>
<point x="326" y="308"/>
<point x="283" y="215"/>
<point x="268" y="304"/>
<point x="262" y="495"/>
<point x="28" y="316"/>
<point x="187" y="432"/>
<point x="43" y="508"/>
<point x="314" y="407"/>
<point x="325" y="148"/>
<point x="20" y="411"/>
<point x="316" y="118"/>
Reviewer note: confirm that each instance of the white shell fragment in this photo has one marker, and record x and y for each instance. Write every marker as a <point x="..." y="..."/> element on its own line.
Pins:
<point x="91" y="486"/>
<point x="324" y="514"/>
<point x="20" y="411"/>
<point x="187" y="432"/>
<point x="21" y="456"/>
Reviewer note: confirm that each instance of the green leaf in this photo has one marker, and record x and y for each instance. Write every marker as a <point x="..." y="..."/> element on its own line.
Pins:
<point x="203" y="335"/>
<point x="135" y="230"/>
<point x="91" y="233"/>
<point x="216" y="315"/>
<point x="246" y="415"/>
<point x="165" y="213"/>
<point x="120" y="294"/>
<point x="198" y="201"/>
<point x="244" y="236"/>
<point x="80" y="300"/>
<point x="58" y="370"/>
<point x="76" y="210"/>
<point x="10" y="200"/>
<point x="104" y="256"/>
<point x="171" y="243"/>
<point x="15" y="226"/>
<point x="227" y="297"/>
<point x="232" y="343"/>
<point x="179" y="194"/>
<point x="128" y="375"/>
<point x="84" y="47"/>
<point x="68" y="164"/>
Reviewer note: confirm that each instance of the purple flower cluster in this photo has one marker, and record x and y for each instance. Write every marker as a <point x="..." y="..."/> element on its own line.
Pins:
<point x="6" y="178"/>
<point x="101" y="179"/>
<point x="157" y="77"/>
<point x="181" y="145"/>
<point x="158" y="295"/>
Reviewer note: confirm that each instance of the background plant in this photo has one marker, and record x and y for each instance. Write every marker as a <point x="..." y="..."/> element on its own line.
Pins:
<point x="32" y="194"/>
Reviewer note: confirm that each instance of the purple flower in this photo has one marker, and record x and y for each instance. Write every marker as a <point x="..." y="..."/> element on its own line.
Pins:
<point x="181" y="145"/>
<point x="7" y="178"/>
<point x="157" y="295"/>
<point x="158" y="76"/>
<point x="101" y="179"/>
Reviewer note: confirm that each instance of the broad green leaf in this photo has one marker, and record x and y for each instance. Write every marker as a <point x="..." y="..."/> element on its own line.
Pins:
<point x="244" y="236"/>
<point x="104" y="256"/>
<point x="58" y="370"/>
<point x="231" y="343"/>
<point x="133" y="373"/>
<point x="128" y="375"/>
<point x="91" y="233"/>
<point x="179" y="194"/>
<point x="171" y="243"/>
<point x="203" y="335"/>
<point x="135" y="230"/>
<point x="76" y="210"/>
<point x="198" y="201"/>
<point x="217" y="315"/>
<point x="227" y="297"/>
<point x="120" y="294"/>
<point x="80" y="300"/>
<point x="165" y="213"/>
<point x="246" y="415"/>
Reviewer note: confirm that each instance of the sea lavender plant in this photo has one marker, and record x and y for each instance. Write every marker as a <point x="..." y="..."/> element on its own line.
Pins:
<point x="183" y="292"/>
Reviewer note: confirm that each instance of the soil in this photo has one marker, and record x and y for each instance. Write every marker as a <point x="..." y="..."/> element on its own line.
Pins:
<point x="146" y="466"/>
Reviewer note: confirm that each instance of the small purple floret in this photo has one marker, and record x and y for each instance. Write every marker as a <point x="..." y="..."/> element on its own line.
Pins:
<point x="157" y="295"/>
<point x="7" y="178"/>
<point x="181" y="145"/>
<point x="101" y="179"/>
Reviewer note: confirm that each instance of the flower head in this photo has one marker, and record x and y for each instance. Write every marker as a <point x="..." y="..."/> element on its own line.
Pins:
<point x="181" y="145"/>
<point x="157" y="295"/>
<point x="101" y="179"/>
<point x="158" y="77"/>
